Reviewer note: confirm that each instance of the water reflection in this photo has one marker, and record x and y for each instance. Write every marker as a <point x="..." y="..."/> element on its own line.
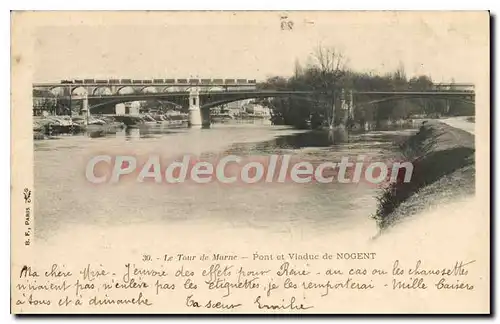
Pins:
<point x="311" y="138"/>
<point x="147" y="131"/>
<point x="337" y="140"/>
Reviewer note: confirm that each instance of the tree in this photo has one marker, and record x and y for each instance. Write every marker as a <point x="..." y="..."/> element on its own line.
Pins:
<point x="329" y="67"/>
<point x="44" y="101"/>
<point x="326" y="74"/>
<point x="274" y="83"/>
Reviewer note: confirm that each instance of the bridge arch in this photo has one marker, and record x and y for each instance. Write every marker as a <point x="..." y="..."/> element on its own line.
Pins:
<point x="172" y="104"/>
<point x="173" y="89"/>
<point x="59" y="91"/>
<point x="195" y="89"/>
<point x="102" y="91"/>
<point x="125" y="90"/>
<point x="303" y="96"/>
<point x="149" y="89"/>
<point x="121" y="100"/>
<point x="214" y="89"/>
<point x="181" y="98"/>
<point x="79" y="91"/>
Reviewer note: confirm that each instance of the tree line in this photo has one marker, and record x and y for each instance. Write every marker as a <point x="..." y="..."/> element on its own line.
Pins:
<point x="327" y="73"/>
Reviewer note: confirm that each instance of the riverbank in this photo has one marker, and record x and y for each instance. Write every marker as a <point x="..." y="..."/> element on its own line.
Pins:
<point x="466" y="123"/>
<point x="443" y="174"/>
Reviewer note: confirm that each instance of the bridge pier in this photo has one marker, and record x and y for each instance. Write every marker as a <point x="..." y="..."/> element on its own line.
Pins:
<point x="347" y="106"/>
<point x="197" y="117"/>
<point x="351" y="105"/>
<point x="344" y="107"/>
<point x="85" y="109"/>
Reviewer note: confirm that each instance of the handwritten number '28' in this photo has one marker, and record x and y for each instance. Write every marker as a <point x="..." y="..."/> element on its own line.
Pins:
<point x="286" y="25"/>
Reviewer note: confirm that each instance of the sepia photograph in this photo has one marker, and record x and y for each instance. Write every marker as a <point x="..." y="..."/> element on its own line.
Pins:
<point x="231" y="162"/>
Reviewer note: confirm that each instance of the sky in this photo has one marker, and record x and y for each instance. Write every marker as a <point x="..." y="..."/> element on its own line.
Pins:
<point x="253" y="45"/>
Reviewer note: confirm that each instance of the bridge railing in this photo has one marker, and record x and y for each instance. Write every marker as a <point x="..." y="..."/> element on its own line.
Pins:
<point x="159" y="81"/>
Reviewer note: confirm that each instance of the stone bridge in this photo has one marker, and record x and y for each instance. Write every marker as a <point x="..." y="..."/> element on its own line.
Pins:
<point x="199" y="97"/>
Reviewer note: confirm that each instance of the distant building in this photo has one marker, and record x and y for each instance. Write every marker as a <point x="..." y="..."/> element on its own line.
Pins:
<point x="243" y="107"/>
<point x="257" y="109"/>
<point x="233" y="108"/>
<point x="128" y="108"/>
<point x="217" y="110"/>
<point x="239" y="104"/>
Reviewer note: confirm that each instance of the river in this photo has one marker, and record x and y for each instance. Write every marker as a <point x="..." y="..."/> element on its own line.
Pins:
<point x="65" y="201"/>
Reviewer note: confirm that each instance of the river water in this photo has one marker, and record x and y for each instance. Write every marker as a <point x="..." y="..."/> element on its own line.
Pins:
<point x="65" y="200"/>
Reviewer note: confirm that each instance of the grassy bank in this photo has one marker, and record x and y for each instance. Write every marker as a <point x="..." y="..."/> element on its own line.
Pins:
<point x="443" y="169"/>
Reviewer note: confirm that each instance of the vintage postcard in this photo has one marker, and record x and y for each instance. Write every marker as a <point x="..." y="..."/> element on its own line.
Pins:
<point x="280" y="162"/>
